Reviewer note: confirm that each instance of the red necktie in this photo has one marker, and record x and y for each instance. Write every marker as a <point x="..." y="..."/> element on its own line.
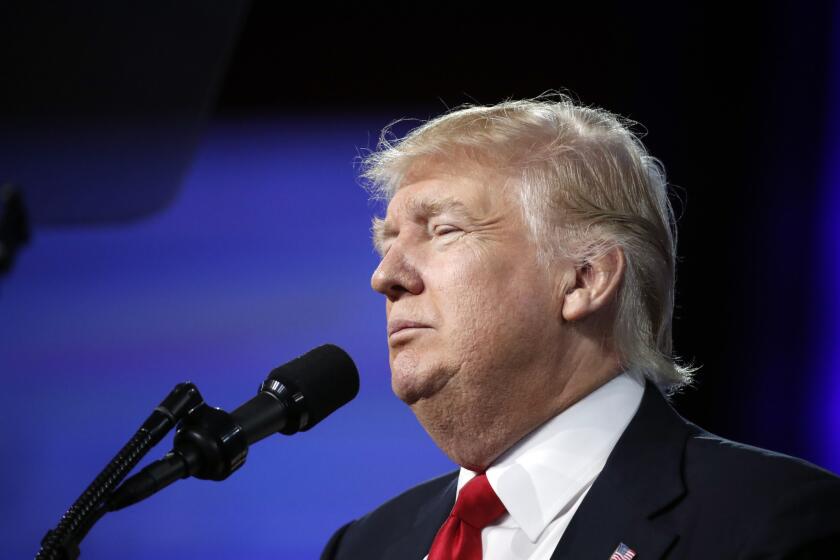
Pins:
<point x="460" y="536"/>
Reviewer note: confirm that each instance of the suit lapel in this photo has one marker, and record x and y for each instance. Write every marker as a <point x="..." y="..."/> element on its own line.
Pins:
<point x="415" y="543"/>
<point x="641" y="478"/>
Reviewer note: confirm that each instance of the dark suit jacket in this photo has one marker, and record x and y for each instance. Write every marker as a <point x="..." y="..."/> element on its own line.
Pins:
<point x="669" y="490"/>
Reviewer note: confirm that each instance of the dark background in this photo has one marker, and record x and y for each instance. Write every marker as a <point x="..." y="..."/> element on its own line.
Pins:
<point x="741" y="106"/>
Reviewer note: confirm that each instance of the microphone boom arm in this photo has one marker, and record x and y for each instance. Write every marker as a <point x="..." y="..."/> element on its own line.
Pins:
<point x="63" y="542"/>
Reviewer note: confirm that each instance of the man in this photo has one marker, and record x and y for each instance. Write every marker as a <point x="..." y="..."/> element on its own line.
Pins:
<point x="528" y="272"/>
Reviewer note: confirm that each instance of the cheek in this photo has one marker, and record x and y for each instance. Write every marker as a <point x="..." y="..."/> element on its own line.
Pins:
<point x="463" y="292"/>
<point x="496" y="305"/>
<point x="475" y="299"/>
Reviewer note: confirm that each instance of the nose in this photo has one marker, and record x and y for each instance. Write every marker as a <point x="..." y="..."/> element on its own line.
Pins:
<point x="396" y="276"/>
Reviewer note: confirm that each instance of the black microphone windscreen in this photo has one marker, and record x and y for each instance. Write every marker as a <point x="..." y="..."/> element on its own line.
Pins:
<point x="326" y="377"/>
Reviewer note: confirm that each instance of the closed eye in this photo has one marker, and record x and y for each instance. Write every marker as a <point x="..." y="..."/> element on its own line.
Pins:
<point x="445" y="229"/>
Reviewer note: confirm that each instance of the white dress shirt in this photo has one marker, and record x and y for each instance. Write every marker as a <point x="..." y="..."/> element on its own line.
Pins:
<point x="543" y="478"/>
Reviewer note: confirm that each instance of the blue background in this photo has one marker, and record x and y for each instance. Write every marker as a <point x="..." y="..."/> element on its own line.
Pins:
<point x="265" y="254"/>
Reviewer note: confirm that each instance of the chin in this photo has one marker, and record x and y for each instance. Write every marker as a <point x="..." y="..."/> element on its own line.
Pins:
<point x="411" y="390"/>
<point x="405" y="392"/>
<point x="412" y="382"/>
<point x="412" y="378"/>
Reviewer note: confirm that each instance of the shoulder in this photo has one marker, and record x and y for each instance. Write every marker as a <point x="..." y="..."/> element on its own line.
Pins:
<point x="711" y="468"/>
<point x="719" y="464"/>
<point x="773" y="504"/>
<point x="411" y="514"/>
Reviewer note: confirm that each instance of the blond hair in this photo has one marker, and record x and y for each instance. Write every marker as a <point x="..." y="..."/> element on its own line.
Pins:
<point x="588" y="185"/>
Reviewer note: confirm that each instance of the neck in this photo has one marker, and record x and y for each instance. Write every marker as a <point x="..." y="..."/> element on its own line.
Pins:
<point x="485" y="427"/>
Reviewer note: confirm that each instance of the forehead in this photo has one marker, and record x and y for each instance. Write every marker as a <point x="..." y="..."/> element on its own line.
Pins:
<point x="474" y="193"/>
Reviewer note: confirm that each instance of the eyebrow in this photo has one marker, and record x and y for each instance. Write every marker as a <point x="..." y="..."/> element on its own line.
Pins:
<point x="382" y="230"/>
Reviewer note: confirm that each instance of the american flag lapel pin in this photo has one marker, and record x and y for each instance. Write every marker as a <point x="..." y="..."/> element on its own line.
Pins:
<point x="623" y="552"/>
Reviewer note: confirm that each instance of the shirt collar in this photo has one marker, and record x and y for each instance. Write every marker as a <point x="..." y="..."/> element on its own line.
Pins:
<point x="545" y="472"/>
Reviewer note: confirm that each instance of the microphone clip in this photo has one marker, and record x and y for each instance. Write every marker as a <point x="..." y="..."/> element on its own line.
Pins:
<point x="211" y="443"/>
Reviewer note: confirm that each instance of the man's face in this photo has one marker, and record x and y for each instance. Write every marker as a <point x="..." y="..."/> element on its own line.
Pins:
<point x="470" y="311"/>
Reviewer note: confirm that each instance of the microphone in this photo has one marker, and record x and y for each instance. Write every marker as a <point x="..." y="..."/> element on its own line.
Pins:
<point x="211" y="444"/>
<point x="299" y="394"/>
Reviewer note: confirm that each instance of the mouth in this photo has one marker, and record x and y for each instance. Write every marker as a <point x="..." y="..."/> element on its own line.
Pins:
<point x="396" y="328"/>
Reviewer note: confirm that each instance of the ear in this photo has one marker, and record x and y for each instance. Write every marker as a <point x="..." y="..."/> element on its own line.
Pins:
<point x="595" y="286"/>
